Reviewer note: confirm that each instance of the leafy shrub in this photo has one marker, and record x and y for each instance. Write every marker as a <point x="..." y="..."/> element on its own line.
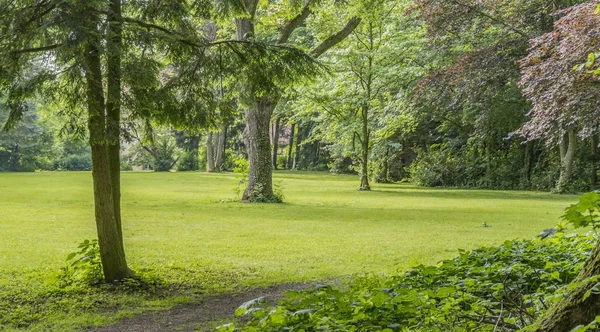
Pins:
<point x="75" y="162"/>
<point x="188" y="162"/>
<point x="126" y="166"/>
<point x="488" y="289"/>
<point x="585" y="212"/>
<point x="241" y="165"/>
<point x="83" y="265"/>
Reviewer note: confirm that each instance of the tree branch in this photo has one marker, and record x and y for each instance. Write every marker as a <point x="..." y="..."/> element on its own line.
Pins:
<point x="37" y="49"/>
<point x="493" y="19"/>
<point x="290" y="26"/>
<point x="336" y="38"/>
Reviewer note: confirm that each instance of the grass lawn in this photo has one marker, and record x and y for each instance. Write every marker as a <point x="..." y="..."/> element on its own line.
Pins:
<point x="186" y="225"/>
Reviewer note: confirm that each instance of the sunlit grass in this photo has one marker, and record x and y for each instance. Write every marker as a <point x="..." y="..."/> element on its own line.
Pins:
<point x="326" y="228"/>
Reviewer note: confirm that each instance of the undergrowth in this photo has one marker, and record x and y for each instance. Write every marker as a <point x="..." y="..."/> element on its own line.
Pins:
<point x="499" y="288"/>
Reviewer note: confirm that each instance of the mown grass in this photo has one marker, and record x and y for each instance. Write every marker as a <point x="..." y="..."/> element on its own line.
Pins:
<point x="187" y="228"/>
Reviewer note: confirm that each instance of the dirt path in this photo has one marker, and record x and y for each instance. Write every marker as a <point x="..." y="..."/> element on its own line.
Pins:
<point x="200" y="315"/>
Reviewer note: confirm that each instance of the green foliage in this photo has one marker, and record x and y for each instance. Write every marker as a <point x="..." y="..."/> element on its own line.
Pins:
<point x="585" y="212"/>
<point x="188" y="161"/>
<point x="75" y="162"/>
<point x="487" y="289"/>
<point x="83" y="265"/>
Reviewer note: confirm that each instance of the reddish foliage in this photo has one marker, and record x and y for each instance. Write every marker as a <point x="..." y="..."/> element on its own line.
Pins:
<point x="562" y="97"/>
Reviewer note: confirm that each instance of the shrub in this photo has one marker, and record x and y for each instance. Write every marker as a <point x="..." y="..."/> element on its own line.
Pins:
<point x="75" y="162"/>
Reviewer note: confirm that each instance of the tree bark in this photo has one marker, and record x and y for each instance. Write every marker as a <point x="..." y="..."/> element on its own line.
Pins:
<point x="113" y="105"/>
<point x="112" y="253"/>
<point x="210" y="153"/>
<point x="290" y="147"/>
<point x="296" y="162"/>
<point x="260" y="177"/>
<point x="573" y="309"/>
<point x="275" y="142"/>
<point x="364" y="174"/>
<point x="219" y="148"/>
<point x="567" y="150"/>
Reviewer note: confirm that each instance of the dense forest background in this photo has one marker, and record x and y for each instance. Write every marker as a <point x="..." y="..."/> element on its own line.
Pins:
<point x="432" y="92"/>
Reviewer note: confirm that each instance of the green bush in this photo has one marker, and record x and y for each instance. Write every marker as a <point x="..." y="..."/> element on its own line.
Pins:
<point x="75" y="162"/>
<point x="516" y="281"/>
<point x="188" y="162"/>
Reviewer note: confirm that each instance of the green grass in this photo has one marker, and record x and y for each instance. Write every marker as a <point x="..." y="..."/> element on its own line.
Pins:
<point x="178" y="221"/>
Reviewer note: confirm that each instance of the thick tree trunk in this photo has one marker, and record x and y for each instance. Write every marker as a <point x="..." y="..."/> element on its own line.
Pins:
<point x="210" y="158"/>
<point x="275" y="142"/>
<point x="567" y="151"/>
<point x="291" y="147"/>
<point x="219" y="148"/>
<point x="112" y="253"/>
<point x="573" y="309"/>
<point x="260" y="181"/>
<point x="364" y="174"/>
<point x="296" y="162"/>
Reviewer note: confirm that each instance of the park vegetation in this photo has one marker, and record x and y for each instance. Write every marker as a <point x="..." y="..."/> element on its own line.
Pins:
<point x="495" y="94"/>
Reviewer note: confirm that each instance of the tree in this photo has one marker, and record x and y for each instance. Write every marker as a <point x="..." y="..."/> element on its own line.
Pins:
<point x="262" y="94"/>
<point x="106" y="57"/>
<point x="565" y="108"/>
<point x="356" y="103"/>
<point x="565" y="104"/>
<point x="23" y="140"/>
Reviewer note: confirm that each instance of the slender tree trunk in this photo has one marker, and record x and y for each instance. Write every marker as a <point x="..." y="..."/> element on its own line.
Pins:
<point x="567" y="150"/>
<point x="573" y="309"/>
<point x="290" y="147"/>
<point x="260" y="181"/>
<point x="112" y="253"/>
<point x="113" y="105"/>
<point x="296" y="162"/>
<point x="192" y="148"/>
<point x="275" y="142"/>
<point x="364" y="174"/>
<point x="210" y="159"/>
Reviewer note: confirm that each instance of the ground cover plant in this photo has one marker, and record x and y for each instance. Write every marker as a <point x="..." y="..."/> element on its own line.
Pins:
<point x="187" y="236"/>
<point x="499" y="288"/>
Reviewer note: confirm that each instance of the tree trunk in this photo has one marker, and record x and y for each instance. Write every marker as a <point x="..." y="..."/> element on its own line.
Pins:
<point x="275" y="142"/>
<point x="290" y="147"/>
<point x="364" y="174"/>
<point x="113" y="106"/>
<point x="210" y="153"/>
<point x="112" y="253"/>
<point x="260" y="182"/>
<point x="573" y="309"/>
<point x="567" y="150"/>
<point x="296" y="162"/>
<point x="219" y="148"/>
